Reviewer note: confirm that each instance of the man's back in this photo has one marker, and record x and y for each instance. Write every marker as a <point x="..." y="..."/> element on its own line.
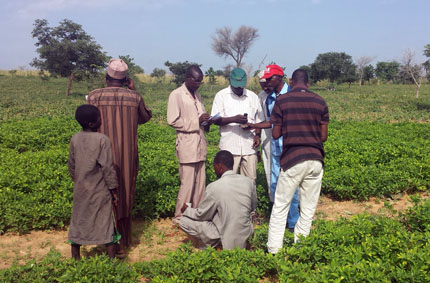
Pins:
<point x="235" y="198"/>
<point x="121" y="111"/>
<point x="300" y="113"/>
<point x="228" y="203"/>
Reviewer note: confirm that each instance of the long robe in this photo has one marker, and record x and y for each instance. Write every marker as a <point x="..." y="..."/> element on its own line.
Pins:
<point x="90" y="166"/>
<point x="121" y="111"/>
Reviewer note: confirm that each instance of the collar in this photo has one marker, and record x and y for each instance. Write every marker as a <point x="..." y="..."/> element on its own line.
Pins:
<point x="284" y="89"/>
<point x="189" y="93"/>
<point x="299" y="89"/>
<point x="228" y="172"/>
<point x="243" y="95"/>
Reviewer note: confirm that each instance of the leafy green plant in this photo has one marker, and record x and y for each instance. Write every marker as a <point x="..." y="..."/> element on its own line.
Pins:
<point x="53" y="268"/>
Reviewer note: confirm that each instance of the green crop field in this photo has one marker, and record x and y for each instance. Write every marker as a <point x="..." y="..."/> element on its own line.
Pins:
<point x="378" y="145"/>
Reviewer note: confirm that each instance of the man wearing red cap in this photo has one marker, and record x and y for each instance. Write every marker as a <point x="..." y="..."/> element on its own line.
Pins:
<point x="122" y="109"/>
<point x="274" y="87"/>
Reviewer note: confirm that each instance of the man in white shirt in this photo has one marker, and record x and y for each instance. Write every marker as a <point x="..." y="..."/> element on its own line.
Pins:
<point x="236" y="106"/>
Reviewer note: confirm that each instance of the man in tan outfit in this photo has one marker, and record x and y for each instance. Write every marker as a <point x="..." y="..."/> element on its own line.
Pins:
<point x="186" y="113"/>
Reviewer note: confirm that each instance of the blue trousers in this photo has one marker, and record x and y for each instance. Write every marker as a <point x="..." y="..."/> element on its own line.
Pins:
<point x="293" y="214"/>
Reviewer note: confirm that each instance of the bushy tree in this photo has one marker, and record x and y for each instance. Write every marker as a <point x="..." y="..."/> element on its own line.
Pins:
<point x="369" y="73"/>
<point x="334" y="66"/>
<point x="210" y="73"/>
<point x="133" y="69"/>
<point x="219" y="72"/>
<point x="225" y="43"/>
<point x="158" y="73"/>
<point x="179" y="70"/>
<point x="67" y="51"/>
<point x="308" y="69"/>
<point x="387" y="71"/>
<point x="349" y="75"/>
<point x="426" y="64"/>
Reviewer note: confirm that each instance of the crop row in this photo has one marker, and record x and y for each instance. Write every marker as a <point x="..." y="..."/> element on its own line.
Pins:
<point x="361" y="249"/>
<point x="363" y="159"/>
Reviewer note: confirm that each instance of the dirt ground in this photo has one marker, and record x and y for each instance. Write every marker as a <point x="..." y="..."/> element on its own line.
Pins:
<point x="154" y="239"/>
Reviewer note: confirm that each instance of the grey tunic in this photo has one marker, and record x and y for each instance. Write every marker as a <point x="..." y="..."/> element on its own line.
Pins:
<point x="90" y="166"/>
<point x="227" y="205"/>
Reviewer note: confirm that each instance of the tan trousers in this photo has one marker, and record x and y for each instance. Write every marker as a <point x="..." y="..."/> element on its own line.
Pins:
<point x="193" y="178"/>
<point x="247" y="164"/>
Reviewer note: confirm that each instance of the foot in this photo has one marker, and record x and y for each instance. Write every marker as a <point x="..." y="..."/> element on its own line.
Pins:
<point x="175" y="222"/>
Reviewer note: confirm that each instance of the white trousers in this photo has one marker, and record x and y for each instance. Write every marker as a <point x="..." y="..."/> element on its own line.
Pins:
<point x="307" y="176"/>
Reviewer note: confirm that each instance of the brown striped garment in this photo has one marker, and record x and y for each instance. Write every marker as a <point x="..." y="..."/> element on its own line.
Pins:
<point x="300" y="113"/>
<point x="121" y="111"/>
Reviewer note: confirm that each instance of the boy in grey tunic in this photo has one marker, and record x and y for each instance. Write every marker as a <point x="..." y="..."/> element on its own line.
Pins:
<point x="95" y="182"/>
<point x="225" y="212"/>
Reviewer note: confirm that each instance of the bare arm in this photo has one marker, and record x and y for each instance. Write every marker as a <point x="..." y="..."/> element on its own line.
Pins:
<point x="222" y="121"/>
<point x="324" y="132"/>
<point x="276" y="131"/>
<point x="262" y="125"/>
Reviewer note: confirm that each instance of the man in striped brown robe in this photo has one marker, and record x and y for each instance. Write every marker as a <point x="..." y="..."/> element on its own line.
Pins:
<point x="122" y="109"/>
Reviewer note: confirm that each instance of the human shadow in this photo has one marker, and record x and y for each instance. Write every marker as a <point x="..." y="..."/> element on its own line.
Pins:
<point x="423" y="106"/>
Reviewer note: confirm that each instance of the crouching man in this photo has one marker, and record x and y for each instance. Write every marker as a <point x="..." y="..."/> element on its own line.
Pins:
<point x="224" y="215"/>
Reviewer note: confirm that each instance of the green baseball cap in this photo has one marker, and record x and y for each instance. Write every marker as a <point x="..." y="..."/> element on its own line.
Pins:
<point x="238" y="77"/>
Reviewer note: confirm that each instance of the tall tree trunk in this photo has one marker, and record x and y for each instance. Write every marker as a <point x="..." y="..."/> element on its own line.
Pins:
<point x="418" y="90"/>
<point x="69" y="84"/>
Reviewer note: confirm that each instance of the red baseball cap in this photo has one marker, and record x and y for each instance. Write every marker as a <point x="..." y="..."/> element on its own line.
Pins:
<point x="272" y="70"/>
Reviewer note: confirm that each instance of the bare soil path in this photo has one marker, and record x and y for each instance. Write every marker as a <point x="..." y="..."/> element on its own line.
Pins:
<point x="154" y="239"/>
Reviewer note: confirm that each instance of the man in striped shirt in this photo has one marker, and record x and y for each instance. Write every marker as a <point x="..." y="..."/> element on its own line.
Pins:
<point x="122" y="109"/>
<point x="301" y="117"/>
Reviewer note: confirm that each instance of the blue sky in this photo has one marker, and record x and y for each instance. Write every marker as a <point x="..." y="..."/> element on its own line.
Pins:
<point x="292" y="32"/>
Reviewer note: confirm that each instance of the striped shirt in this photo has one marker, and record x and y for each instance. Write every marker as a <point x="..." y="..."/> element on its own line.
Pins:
<point x="300" y="113"/>
<point x="121" y="111"/>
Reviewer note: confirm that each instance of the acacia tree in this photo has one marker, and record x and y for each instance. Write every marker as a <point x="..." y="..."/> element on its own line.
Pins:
<point x="67" y="51"/>
<point x="225" y="43"/>
<point x="414" y="71"/>
<point x="362" y="63"/>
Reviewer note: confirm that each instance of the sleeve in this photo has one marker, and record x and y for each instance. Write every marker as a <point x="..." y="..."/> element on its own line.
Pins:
<point x="144" y="114"/>
<point x="218" y="106"/>
<point x="253" y="198"/>
<point x="176" y="119"/>
<point x="71" y="162"/>
<point x="206" y="210"/>
<point x="105" y="161"/>
<point x="276" y="116"/>
<point x="325" y="116"/>
<point x="259" y="115"/>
